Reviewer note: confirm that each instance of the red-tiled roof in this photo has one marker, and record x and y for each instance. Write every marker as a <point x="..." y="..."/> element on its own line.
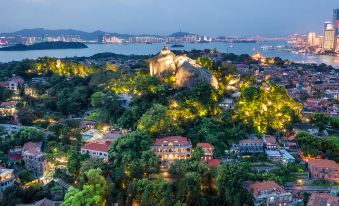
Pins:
<point x="102" y="147"/>
<point x="320" y="199"/>
<point x="7" y="104"/>
<point x="258" y="187"/>
<point x="174" y="139"/>
<point x="3" y="84"/>
<point x="271" y="140"/>
<point x="205" y="146"/>
<point x="32" y="148"/>
<point x="214" y="162"/>
<point x="323" y="163"/>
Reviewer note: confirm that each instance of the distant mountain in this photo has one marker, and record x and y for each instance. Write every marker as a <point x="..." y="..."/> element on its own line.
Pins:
<point x="68" y="32"/>
<point x="180" y="34"/>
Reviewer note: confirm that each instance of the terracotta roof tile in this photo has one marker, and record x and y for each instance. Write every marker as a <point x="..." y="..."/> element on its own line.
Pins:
<point x="175" y="139"/>
<point x="323" y="163"/>
<point x="213" y="162"/>
<point x="258" y="187"/>
<point x="205" y="146"/>
<point x="102" y="147"/>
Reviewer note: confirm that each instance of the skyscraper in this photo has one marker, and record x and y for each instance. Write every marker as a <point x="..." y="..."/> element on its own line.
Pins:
<point x="329" y="37"/>
<point x="311" y="38"/>
<point x="336" y="20"/>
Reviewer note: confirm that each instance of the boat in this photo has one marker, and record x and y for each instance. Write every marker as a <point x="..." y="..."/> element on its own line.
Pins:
<point x="177" y="46"/>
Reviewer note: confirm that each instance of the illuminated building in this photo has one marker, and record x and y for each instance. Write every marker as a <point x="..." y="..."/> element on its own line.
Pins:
<point x="8" y="108"/>
<point x="311" y="38"/>
<point x="270" y="193"/>
<point x="172" y="148"/>
<point x="337" y="43"/>
<point x="329" y="35"/>
<point x="318" y="41"/>
<point x="336" y="20"/>
<point x="34" y="158"/>
<point x="96" y="150"/>
<point x="323" y="169"/>
<point x="6" y="178"/>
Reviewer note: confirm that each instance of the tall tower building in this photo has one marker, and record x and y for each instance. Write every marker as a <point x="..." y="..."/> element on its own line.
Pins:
<point x="329" y="37"/>
<point x="336" y="20"/>
<point x="311" y="38"/>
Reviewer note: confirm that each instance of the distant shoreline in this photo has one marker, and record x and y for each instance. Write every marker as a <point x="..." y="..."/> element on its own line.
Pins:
<point x="45" y="46"/>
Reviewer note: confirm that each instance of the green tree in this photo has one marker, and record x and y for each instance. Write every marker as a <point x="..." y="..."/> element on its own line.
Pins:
<point x="229" y="181"/>
<point x="158" y="121"/>
<point x="93" y="193"/>
<point x="25" y="176"/>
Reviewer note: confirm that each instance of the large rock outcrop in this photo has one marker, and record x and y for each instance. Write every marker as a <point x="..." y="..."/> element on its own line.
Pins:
<point x="187" y="72"/>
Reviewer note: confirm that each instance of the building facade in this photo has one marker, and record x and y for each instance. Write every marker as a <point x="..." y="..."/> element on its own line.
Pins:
<point x="270" y="193"/>
<point x="251" y="146"/>
<point x="172" y="148"/>
<point x="96" y="150"/>
<point x="323" y="169"/>
<point x="208" y="151"/>
<point x="336" y="20"/>
<point x="6" y="178"/>
<point x="329" y="36"/>
<point x="34" y="158"/>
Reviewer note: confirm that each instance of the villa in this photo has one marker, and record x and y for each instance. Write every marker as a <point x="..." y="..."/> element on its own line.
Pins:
<point x="172" y="148"/>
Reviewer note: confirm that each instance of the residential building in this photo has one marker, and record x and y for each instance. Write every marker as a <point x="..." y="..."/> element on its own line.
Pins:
<point x="34" y="158"/>
<point x="270" y="143"/>
<point x="251" y="146"/>
<point x="227" y="104"/>
<point x="6" y="178"/>
<point x="96" y="150"/>
<point x="323" y="199"/>
<point x="208" y="151"/>
<point x="336" y="20"/>
<point x="8" y="108"/>
<point x="172" y="148"/>
<point x="270" y="193"/>
<point x="13" y="84"/>
<point x="323" y="169"/>
<point x="43" y="202"/>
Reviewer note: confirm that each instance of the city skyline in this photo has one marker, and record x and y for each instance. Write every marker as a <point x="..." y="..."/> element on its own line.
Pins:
<point x="245" y="18"/>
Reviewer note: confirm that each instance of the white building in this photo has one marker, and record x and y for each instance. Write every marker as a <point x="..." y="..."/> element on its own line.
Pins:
<point x="96" y="150"/>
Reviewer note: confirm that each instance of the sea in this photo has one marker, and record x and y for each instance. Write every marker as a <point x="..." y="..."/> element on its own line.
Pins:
<point x="149" y="49"/>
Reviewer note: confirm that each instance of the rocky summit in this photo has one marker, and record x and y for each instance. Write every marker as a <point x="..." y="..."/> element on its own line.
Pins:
<point x="187" y="72"/>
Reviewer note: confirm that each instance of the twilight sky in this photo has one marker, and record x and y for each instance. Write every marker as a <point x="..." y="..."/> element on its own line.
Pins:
<point x="209" y="17"/>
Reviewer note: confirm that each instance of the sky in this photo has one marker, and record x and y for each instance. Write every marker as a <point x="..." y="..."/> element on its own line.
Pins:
<point x="210" y="17"/>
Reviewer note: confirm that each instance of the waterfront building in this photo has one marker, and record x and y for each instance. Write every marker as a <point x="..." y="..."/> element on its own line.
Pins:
<point x="34" y="158"/>
<point x="172" y="148"/>
<point x="96" y="150"/>
<point x="270" y="193"/>
<point x="311" y="38"/>
<point x="329" y="35"/>
<point x="323" y="169"/>
<point x="336" y="20"/>
<point x="337" y="43"/>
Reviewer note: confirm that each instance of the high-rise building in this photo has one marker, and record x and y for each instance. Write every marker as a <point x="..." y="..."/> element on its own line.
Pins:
<point x="329" y="36"/>
<point x="311" y="38"/>
<point x="336" y="20"/>
<point x="337" y="44"/>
